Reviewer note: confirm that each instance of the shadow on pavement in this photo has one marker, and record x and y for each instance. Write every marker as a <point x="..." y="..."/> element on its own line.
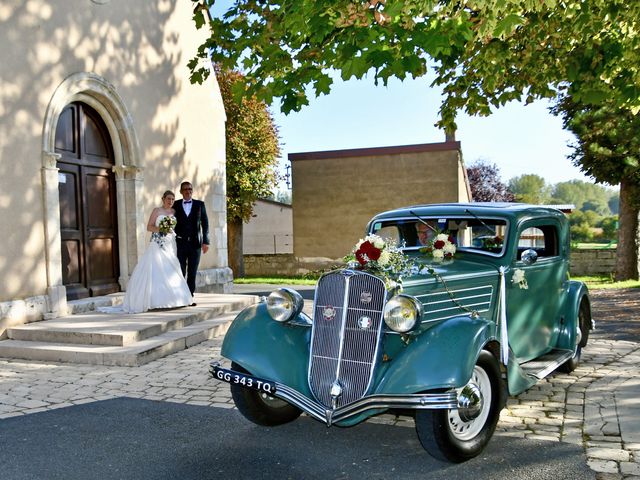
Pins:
<point x="139" y="439"/>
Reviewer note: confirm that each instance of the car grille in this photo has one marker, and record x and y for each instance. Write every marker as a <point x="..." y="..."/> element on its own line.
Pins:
<point x="346" y="335"/>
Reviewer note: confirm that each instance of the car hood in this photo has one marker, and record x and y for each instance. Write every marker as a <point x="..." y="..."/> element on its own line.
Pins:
<point x="452" y="270"/>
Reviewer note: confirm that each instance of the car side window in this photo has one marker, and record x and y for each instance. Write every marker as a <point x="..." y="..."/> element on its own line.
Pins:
<point x="543" y="239"/>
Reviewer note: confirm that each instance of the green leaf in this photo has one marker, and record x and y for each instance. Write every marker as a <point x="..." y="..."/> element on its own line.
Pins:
<point x="322" y="85"/>
<point x="507" y="25"/>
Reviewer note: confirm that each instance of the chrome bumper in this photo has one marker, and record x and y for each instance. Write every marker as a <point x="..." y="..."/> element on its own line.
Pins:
<point x="426" y="401"/>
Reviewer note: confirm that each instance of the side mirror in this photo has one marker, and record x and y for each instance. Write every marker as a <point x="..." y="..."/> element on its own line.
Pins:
<point x="529" y="256"/>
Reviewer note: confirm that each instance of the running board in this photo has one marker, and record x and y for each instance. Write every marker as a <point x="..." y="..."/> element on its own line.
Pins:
<point x="544" y="365"/>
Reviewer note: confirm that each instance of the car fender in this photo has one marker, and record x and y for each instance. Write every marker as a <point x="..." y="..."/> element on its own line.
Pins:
<point x="577" y="292"/>
<point x="268" y="349"/>
<point x="441" y="357"/>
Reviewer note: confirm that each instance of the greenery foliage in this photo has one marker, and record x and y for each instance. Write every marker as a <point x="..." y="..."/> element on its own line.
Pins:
<point x="530" y="188"/>
<point x="483" y="53"/>
<point x="252" y="147"/>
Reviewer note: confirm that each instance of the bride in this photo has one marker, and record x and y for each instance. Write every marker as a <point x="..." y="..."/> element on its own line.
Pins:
<point x="157" y="280"/>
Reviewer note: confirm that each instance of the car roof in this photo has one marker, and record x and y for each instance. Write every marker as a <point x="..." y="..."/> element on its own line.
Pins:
<point x="512" y="211"/>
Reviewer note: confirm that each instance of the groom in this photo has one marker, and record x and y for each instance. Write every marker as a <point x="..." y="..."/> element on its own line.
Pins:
<point x="192" y="233"/>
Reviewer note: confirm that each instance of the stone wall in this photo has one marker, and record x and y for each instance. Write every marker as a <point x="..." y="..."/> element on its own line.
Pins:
<point x="583" y="262"/>
<point x="285" y="265"/>
<point x="593" y="261"/>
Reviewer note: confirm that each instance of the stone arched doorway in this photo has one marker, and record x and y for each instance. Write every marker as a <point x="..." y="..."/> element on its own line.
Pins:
<point x="87" y="194"/>
<point x="107" y="107"/>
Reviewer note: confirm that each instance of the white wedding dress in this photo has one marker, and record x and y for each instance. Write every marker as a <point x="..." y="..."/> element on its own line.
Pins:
<point x="157" y="280"/>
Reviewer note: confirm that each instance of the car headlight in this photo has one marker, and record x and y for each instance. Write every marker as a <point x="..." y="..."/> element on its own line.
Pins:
<point x="284" y="304"/>
<point x="402" y="312"/>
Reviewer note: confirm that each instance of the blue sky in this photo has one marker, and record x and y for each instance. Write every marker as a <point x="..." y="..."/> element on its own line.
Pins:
<point x="519" y="139"/>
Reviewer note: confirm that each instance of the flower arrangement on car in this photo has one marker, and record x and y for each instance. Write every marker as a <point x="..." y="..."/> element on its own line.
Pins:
<point x="492" y="243"/>
<point x="379" y="257"/>
<point x="442" y="247"/>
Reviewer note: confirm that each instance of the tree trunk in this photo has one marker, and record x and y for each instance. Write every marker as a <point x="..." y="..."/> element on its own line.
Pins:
<point x="234" y="246"/>
<point x="628" y="240"/>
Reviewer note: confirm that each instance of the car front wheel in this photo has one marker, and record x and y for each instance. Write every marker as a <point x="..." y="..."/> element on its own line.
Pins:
<point x="461" y="434"/>
<point x="260" y="408"/>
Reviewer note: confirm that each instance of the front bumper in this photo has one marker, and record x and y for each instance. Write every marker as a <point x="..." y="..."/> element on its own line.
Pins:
<point x="433" y="401"/>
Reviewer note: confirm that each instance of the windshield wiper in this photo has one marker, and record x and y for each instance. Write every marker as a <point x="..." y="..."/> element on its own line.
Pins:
<point x="422" y="221"/>
<point x="493" y="230"/>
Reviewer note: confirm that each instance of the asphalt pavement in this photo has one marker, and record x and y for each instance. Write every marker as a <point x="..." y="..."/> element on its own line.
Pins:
<point x="137" y="439"/>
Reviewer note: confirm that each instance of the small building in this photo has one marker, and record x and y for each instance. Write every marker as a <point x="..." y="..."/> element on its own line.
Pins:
<point x="335" y="193"/>
<point x="97" y="119"/>
<point x="270" y="230"/>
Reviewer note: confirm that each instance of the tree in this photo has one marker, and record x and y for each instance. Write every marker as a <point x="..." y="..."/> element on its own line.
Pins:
<point x="608" y="149"/>
<point x="485" y="183"/>
<point x="530" y="188"/>
<point x="484" y="53"/>
<point x="252" y="154"/>
<point x="584" y="195"/>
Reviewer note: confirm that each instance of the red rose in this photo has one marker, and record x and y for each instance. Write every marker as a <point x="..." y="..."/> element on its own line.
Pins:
<point x="438" y="244"/>
<point x="371" y="252"/>
<point x="451" y="239"/>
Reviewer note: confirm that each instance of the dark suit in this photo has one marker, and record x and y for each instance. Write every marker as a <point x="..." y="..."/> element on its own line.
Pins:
<point x="191" y="232"/>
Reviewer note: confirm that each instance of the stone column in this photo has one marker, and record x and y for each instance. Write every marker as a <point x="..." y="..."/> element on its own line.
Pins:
<point x="56" y="291"/>
<point x="131" y="234"/>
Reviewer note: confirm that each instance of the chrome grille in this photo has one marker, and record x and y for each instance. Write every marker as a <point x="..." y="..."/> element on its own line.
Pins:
<point x="346" y="334"/>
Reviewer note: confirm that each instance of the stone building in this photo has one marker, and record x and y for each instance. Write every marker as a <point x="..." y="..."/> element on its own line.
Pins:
<point x="270" y="229"/>
<point x="97" y="119"/>
<point x="335" y="193"/>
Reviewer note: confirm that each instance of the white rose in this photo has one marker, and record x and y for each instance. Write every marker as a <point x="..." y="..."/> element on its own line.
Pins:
<point x="449" y="248"/>
<point x="384" y="258"/>
<point x="378" y="243"/>
<point x="443" y="237"/>
<point x="438" y="254"/>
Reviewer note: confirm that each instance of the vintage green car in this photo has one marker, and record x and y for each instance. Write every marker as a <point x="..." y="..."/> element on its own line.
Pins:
<point x="446" y="311"/>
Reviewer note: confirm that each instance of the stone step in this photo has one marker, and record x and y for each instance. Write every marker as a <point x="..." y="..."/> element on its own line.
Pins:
<point x="120" y="329"/>
<point x="135" y="354"/>
<point x="124" y="339"/>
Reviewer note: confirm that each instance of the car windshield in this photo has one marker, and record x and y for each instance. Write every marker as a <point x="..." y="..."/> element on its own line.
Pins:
<point x="474" y="234"/>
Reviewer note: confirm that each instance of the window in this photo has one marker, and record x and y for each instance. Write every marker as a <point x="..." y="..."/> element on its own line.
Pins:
<point x="485" y="235"/>
<point x="542" y="239"/>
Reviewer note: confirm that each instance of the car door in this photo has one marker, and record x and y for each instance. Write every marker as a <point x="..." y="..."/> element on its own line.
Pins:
<point x="533" y="304"/>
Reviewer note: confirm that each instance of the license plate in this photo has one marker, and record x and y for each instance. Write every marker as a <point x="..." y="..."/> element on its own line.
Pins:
<point x="247" y="381"/>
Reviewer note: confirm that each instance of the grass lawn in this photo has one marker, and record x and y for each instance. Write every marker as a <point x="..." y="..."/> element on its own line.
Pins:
<point x="277" y="280"/>
<point x="606" y="281"/>
<point x="597" y="246"/>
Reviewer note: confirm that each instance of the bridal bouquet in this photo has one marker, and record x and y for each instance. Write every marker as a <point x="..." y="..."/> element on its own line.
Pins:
<point x="166" y="225"/>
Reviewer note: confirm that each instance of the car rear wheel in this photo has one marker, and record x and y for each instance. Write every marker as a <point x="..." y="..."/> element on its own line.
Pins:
<point x="461" y="434"/>
<point x="261" y="408"/>
<point x="584" y="321"/>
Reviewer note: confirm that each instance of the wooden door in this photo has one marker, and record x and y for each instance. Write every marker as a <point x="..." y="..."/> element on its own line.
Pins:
<point x="88" y="217"/>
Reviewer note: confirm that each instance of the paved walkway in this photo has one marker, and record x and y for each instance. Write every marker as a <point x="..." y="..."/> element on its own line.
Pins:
<point x="596" y="406"/>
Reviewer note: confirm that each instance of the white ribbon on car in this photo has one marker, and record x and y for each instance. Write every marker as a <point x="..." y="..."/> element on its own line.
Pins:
<point x="504" y="336"/>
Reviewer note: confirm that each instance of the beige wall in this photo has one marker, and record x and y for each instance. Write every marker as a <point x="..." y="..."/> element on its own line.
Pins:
<point x="335" y="194"/>
<point x="129" y="59"/>
<point x="270" y="229"/>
